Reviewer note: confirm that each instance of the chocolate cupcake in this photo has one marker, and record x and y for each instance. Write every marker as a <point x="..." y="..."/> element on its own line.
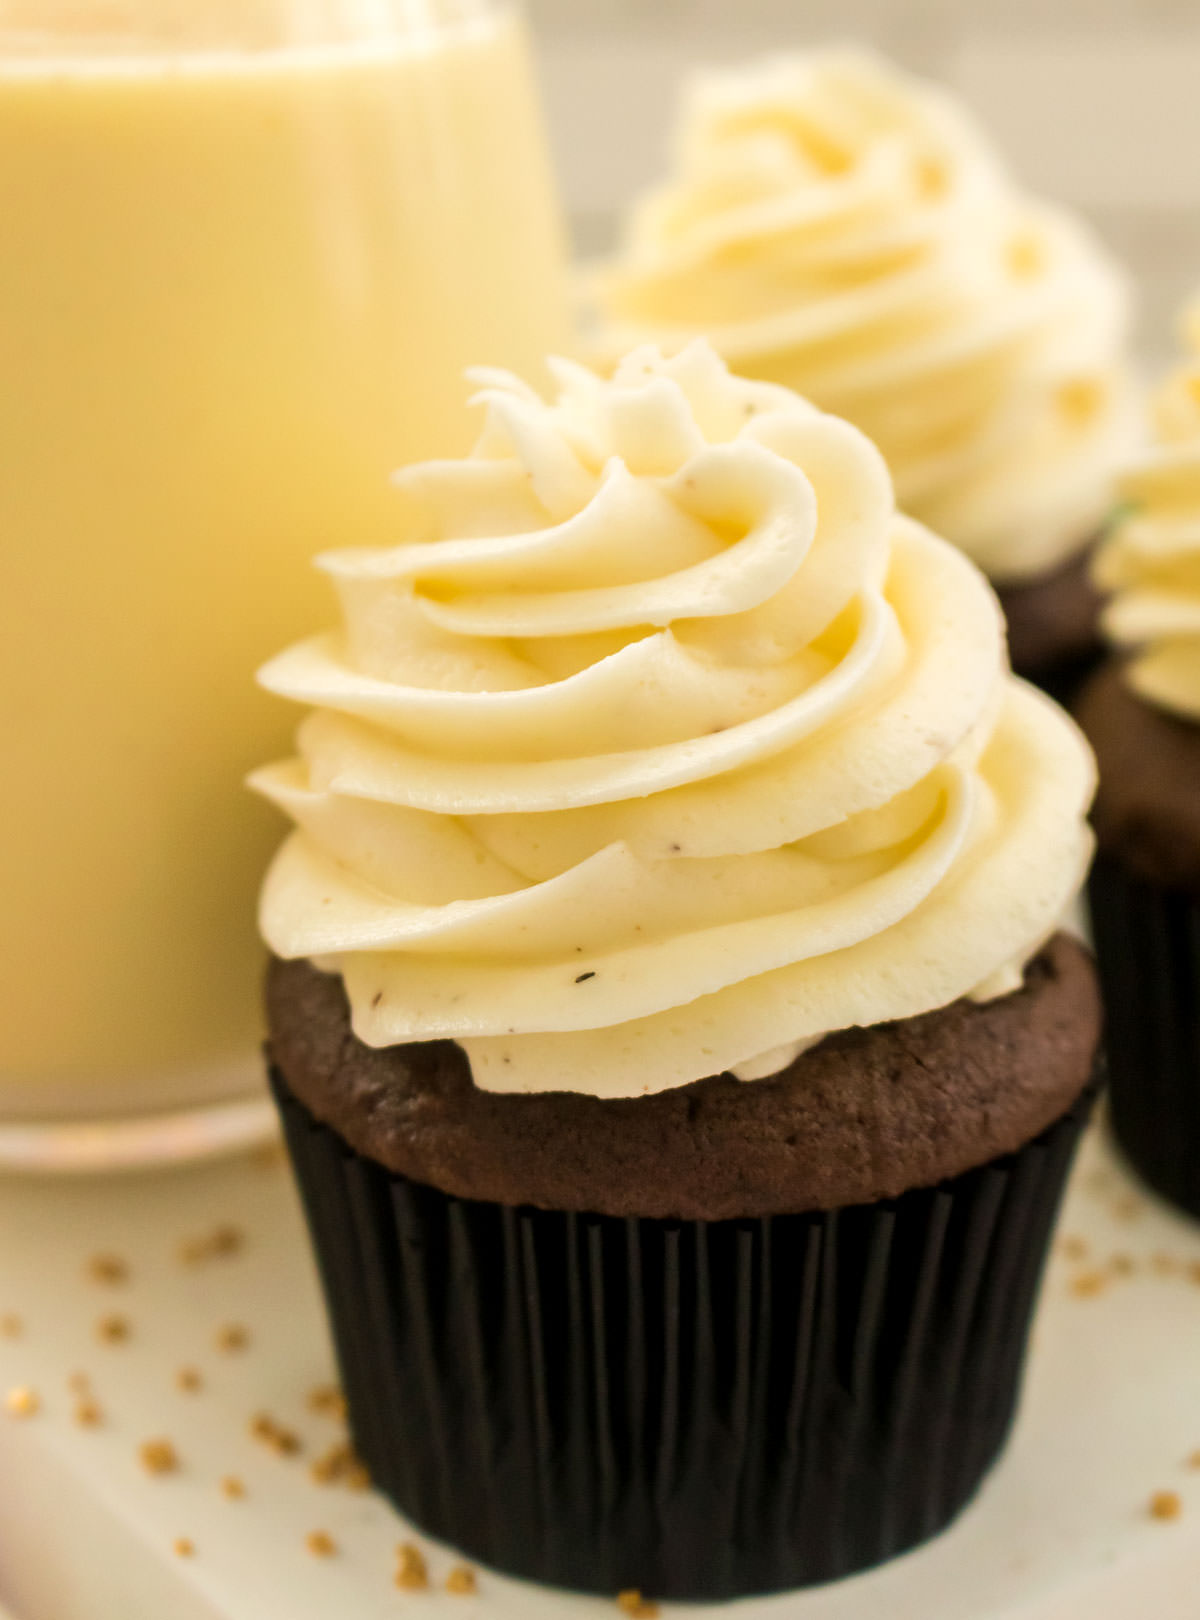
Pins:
<point x="677" y="1056"/>
<point x="837" y="226"/>
<point x="1142" y="713"/>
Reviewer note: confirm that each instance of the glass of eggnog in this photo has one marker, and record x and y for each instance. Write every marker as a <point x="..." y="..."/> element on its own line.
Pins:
<point x="249" y="248"/>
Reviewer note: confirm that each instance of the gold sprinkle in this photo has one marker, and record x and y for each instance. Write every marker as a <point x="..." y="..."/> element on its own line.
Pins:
<point x="11" y="1326"/>
<point x="113" y="1329"/>
<point x="635" y="1604"/>
<point x="232" y="1487"/>
<point x="108" y="1269"/>
<point x="461" y="1581"/>
<point x="1165" y="1265"/>
<point x="1128" y="1208"/>
<point x="1166" y="1505"/>
<point x="1075" y="1248"/>
<point x="1026" y="255"/>
<point x="1080" y="399"/>
<point x="1193" y="1271"/>
<point x="23" y="1402"/>
<point x="87" y="1414"/>
<point x="357" y="1478"/>
<point x="158" y="1457"/>
<point x="1121" y="1265"/>
<point x="284" y="1442"/>
<point x="1088" y="1284"/>
<point x="320" y="1543"/>
<point x="411" y="1573"/>
<point x="79" y="1383"/>
<point x="327" y="1400"/>
<point x="189" y="1380"/>
<point x="232" y="1337"/>
<point x="184" y="1548"/>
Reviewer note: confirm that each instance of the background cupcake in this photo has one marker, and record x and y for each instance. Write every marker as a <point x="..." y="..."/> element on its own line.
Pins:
<point x="845" y="229"/>
<point x="1142" y="712"/>
<point x="676" y="1058"/>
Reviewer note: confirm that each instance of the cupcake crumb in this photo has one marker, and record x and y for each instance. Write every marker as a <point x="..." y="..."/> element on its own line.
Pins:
<point x="87" y="1413"/>
<point x="189" y="1380"/>
<point x="232" y="1488"/>
<point x="184" y="1547"/>
<point x="633" y="1603"/>
<point x="1166" y="1505"/>
<point x="1164" y="1265"/>
<point x="1088" y="1284"/>
<point x="232" y="1338"/>
<point x="158" y="1457"/>
<point x="113" y="1329"/>
<point x="79" y="1383"/>
<point x="283" y="1441"/>
<point x="327" y="1400"/>
<point x="339" y="1465"/>
<point x="11" y="1326"/>
<point x="108" y="1269"/>
<point x="411" y="1573"/>
<point x="224" y="1241"/>
<point x="320" y="1543"/>
<point x="1193" y="1271"/>
<point x="23" y="1402"/>
<point x="1074" y="1248"/>
<point x="461" y="1581"/>
<point x="1127" y="1208"/>
<point x="1121" y="1265"/>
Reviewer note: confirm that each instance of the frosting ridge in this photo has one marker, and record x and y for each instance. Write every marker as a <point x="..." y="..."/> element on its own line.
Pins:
<point x="1150" y="563"/>
<point x="660" y="743"/>
<point x="840" y="227"/>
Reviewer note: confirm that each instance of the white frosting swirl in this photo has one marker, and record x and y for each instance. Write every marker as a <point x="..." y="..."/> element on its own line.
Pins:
<point x="1151" y="561"/>
<point x="839" y="227"/>
<point x="661" y="743"/>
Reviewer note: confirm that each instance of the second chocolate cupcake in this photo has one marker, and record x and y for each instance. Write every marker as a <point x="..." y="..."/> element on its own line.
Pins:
<point x="1142" y="713"/>
<point x="676" y="1072"/>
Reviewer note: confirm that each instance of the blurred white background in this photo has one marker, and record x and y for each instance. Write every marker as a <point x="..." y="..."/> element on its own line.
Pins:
<point x="1096" y="102"/>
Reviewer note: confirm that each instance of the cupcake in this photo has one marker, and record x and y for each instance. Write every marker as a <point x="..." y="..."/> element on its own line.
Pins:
<point x="839" y="227"/>
<point x="1142" y="713"/>
<point x="676" y="1050"/>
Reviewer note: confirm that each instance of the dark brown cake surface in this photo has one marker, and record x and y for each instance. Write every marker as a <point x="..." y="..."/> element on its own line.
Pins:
<point x="867" y="1114"/>
<point x="1053" y="619"/>
<point x="1147" y="812"/>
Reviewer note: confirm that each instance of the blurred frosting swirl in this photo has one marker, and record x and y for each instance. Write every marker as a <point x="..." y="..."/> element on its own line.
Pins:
<point x="844" y="229"/>
<point x="1151" y="561"/>
<point x="661" y="743"/>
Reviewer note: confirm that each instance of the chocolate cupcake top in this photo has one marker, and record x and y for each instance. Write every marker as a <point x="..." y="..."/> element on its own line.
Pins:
<point x="659" y="746"/>
<point x="836" y="225"/>
<point x="1151" y="562"/>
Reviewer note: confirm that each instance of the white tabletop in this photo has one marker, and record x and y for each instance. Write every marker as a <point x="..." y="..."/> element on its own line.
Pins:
<point x="1062" y="1530"/>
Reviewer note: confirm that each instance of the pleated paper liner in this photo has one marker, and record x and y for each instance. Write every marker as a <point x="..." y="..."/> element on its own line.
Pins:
<point x="699" y="1410"/>
<point x="1148" y="950"/>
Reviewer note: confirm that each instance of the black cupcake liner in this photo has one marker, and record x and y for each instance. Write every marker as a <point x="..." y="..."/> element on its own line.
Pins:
<point x="699" y="1410"/>
<point x="1148" y="950"/>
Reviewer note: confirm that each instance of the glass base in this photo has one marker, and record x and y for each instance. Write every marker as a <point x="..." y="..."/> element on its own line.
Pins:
<point x="138" y="1142"/>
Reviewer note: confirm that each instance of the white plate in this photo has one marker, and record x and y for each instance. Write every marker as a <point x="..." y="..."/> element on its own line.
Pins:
<point x="1062" y="1531"/>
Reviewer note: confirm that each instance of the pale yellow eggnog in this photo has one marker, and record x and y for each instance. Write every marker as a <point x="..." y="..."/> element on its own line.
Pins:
<point x="238" y="286"/>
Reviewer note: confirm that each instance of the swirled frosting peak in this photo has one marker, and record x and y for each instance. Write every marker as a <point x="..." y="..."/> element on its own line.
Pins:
<point x="659" y="743"/>
<point x="835" y="225"/>
<point x="1151" y="561"/>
